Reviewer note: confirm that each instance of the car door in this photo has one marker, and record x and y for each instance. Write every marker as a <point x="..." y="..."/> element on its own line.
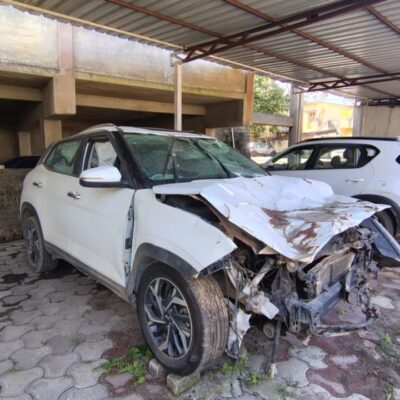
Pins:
<point x="344" y="166"/>
<point x="293" y="162"/>
<point x="51" y="181"/>
<point x="99" y="217"/>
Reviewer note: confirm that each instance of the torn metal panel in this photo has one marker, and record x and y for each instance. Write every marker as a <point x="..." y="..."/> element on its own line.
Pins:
<point x="294" y="217"/>
<point x="239" y="325"/>
<point x="249" y="294"/>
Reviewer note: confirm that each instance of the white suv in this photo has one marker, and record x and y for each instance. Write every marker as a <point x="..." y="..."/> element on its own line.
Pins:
<point x="367" y="168"/>
<point x="200" y="238"/>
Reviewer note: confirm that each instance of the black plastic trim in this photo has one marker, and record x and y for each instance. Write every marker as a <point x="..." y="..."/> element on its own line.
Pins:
<point x="117" y="289"/>
<point x="148" y="254"/>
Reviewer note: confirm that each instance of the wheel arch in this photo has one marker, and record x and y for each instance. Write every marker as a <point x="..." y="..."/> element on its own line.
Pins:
<point x="147" y="255"/>
<point x="394" y="207"/>
<point x="28" y="210"/>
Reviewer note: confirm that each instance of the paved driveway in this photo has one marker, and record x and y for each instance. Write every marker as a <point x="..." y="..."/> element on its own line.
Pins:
<point x="57" y="330"/>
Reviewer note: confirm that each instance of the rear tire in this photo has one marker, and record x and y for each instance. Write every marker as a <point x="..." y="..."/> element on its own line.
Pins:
<point x="386" y="219"/>
<point x="184" y="320"/>
<point x="39" y="259"/>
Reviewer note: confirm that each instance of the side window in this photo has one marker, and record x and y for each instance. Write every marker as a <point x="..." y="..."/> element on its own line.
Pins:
<point x="332" y="157"/>
<point x="295" y="159"/>
<point x="102" y="153"/>
<point x="62" y="157"/>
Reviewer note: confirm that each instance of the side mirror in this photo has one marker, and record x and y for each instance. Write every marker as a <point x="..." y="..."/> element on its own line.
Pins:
<point x="102" y="177"/>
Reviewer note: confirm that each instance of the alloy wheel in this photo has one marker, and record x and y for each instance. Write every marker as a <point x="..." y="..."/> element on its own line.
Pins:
<point x="168" y="318"/>
<point x="33" y="247"/>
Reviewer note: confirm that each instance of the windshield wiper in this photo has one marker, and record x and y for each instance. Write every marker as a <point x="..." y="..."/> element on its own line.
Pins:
<point x="213" y="157"/>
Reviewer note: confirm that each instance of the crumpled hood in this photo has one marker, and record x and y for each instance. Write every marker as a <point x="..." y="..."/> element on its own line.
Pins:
<point x="295" y="217"/>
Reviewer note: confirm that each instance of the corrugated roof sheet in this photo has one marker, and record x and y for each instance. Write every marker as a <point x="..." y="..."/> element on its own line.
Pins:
<point x="352" y="45"/>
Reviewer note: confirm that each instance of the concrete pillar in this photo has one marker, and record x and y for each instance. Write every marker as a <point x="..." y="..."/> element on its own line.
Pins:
<point x="24" y="143"/>
<point x="211" y="132"/>
<point x="177" y="95"/>
<point x="358" y="120"/>
<point x="59" y="95"/>
<point x="248" y="100"/>
<point x="296" y="113"/>
<point x="50" y="131"/>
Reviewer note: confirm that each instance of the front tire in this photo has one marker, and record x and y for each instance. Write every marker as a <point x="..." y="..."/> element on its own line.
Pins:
<point x="184" y="321"/>
<point x="39" y="259"/>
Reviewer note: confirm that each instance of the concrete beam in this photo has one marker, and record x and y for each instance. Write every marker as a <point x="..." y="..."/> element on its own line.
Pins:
<point x="88" y="100"/>
<point x="272" y="119"/>
<point x="12" y="92"/>
<point x="24" y="143"/>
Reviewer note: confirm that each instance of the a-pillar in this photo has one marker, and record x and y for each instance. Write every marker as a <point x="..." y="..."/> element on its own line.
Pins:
<point x="24" y="143"/>
<point x="296" y="112"/>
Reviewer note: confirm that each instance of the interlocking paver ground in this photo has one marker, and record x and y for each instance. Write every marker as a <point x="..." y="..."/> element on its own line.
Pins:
<point x="57" y="329"/>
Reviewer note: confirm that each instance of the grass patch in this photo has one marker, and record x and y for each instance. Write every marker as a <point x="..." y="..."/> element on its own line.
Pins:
<point x="282" y="391"/>
<point x="242" y="370"/>
<point x="389" y="350"/>
<point x="340" y="312"/>
<point x="134" y="362"/>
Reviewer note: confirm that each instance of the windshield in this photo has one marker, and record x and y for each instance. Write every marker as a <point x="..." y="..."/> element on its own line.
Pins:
<point x="165" y="158"/>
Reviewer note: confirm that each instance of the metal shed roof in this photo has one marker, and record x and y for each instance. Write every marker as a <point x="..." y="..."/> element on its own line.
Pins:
<point x="362" y="43"/>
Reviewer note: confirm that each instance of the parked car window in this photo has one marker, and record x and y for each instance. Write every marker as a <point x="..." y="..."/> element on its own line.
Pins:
<point x="62" y="157"/>
<point x="174" y="159"/>
<point x="102" y="153"/>
<point x="295" y="159"/>
<point x="332" y="157"/>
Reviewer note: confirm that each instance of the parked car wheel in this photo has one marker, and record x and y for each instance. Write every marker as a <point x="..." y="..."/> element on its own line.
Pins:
<point x="185" y="321"/>
<point x="39" y="259"/>
<point x="386" y="219"/>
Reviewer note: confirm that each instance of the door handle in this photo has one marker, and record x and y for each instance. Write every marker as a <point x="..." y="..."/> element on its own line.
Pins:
<point x="355" y="180"/>
<point x="37" y="184"/>
<point x="74" y="195"/>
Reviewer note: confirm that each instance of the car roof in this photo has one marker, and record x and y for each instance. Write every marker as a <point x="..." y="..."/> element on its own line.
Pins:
<point x="349" y="138"/>
<point x="141" y="130"/>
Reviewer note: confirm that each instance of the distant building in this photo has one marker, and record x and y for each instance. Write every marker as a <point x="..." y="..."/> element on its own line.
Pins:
<point x="322" y="118"/>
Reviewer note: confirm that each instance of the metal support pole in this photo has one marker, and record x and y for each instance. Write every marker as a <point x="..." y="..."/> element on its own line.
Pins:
<point x="177" y="94"/>
<point x="296" y="112"/>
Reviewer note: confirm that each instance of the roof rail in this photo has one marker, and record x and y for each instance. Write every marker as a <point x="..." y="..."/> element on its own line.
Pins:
<point x="390" y="139"/>
<point x="168" y="130"/>
<point x="99" y="126"/>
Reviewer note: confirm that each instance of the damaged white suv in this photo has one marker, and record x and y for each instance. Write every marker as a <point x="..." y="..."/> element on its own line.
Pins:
<point x="201" y="237"/>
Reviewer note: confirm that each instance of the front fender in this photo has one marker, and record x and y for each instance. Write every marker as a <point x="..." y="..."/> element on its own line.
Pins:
<point x="386" y="248"/>
<point x="173" y="236"/>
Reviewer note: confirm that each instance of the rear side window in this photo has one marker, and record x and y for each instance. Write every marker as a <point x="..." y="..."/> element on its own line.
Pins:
<point x="294" y="159"/>
<point x="342" y="156"/>
<point x="62" y="157"/>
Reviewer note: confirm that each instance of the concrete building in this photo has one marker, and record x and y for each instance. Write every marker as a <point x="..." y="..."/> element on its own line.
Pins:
<point x="327" y="119"/>
<point x="57" y="79"/>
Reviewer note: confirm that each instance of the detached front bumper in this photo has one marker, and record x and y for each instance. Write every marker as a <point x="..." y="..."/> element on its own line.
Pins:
<point x="309" y="313"/>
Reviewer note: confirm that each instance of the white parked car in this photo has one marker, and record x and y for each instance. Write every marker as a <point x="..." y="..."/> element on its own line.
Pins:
<point x="367" y="168"/>
<point x="200" y="238"/>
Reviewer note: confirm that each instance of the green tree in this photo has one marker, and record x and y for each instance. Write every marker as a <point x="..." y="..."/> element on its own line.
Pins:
<point x="269" y="97"/>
